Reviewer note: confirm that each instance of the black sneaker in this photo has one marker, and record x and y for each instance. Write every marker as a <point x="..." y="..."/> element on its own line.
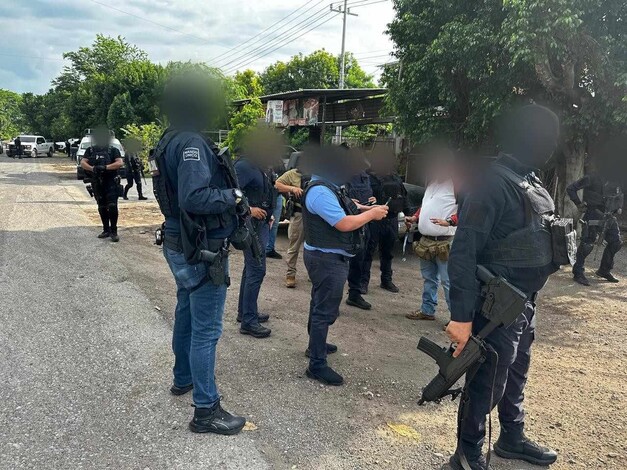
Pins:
<point x="262" y="317"/>
<point x="478" y="464"/>
<point x="389" y="286"/>
<point x="216" y="420"/>
<point x="114" y="237"/>
<point x="256" y="331"/>
<point x="273" y="254"/>
<point x="331" y="348"/>
<point x="607" y="276"/>
<point x="581" y="279"/>
<point x="359" y="302"/>
<point x="104" y="234"/>
<point x="326" y="375"/>
<point x="174" y="390"/>
<point x="525" y="449"/>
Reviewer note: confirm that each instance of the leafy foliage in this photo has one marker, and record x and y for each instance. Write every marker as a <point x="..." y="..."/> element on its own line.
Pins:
<point x="242" y="122"/>
<point x="460" y="64"/>
<point x="319" y="69"/>
<point x="147" y="134"/>
<point x="11" y="118"/>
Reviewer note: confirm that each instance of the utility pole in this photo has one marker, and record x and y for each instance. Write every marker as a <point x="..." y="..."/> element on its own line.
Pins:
<point x="345" y="11"/>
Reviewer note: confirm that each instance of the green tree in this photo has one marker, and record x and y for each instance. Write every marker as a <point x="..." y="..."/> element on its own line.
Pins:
<point x="11" y="118"/>
<point x="242" y="122"/>
<point x="148" y="134"/>
<point x="249" y="83"/>
<point x="121" y="112"/>
<point x="319" y="69"/>
<point x="461" y="64"/>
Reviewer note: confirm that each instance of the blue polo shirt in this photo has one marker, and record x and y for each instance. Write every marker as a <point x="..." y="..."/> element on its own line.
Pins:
<point x="321" y="201"/>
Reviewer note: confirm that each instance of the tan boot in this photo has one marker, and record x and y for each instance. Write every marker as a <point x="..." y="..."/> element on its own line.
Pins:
<point x="290" y="281"/>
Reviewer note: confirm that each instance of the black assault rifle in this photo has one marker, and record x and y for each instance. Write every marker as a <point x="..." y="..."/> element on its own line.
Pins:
<point x="501" y="305"/>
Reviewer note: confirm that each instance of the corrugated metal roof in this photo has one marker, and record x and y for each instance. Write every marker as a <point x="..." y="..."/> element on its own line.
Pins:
<point x="331" y="94"/>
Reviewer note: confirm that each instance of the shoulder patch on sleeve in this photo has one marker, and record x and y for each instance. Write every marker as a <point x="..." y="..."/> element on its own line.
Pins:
<point x="191" y="153"/>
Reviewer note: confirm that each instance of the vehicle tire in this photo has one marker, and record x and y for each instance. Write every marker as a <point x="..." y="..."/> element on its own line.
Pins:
<point x="33" y="153"/>
<point x="50" y="152"/>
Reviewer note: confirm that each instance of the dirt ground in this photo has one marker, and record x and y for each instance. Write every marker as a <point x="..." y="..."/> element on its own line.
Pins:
<point x="576" y="397"/>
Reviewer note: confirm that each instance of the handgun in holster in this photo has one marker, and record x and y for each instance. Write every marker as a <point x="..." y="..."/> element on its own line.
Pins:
<point x="502" y="303"/>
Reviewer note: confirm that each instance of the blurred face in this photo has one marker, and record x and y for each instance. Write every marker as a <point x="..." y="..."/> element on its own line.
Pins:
<point x="101" y="136"/>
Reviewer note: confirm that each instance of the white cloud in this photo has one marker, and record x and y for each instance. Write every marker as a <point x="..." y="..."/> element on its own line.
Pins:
<point x="36" y="33"/>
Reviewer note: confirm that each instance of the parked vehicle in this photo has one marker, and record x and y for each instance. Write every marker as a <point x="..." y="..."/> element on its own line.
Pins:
<point x="33" y="145"/>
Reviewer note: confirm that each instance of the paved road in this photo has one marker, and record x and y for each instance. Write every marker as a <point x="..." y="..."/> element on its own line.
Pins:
<point x="84" y="360"/>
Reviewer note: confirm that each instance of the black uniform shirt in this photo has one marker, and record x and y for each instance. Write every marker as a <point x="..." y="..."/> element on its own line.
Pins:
<point x="491" y="211"/>
<point x="94" y="156"/>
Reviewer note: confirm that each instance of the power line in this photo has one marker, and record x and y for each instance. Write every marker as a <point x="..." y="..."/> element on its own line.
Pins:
<point x="293" y="38"/>
<point x="262" y="32"/>
<point x="284" y="36"/>
<point x="259" y="49"/>
<point x="149" y="21"/>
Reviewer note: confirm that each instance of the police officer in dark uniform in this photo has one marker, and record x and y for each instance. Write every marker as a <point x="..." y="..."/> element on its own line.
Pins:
<point x="18" y="147"/>
<point x="387" y="187"/>
<point x="496" y="231"/>
<point x="134" y="172"/>
<point x="255" y="179"/>
<point x="602" y="201"/>
<point x="102" y="161"/>
<point x="333" y="234"/>
<point x="195" y="187"/>
<point x="359" y="190"/>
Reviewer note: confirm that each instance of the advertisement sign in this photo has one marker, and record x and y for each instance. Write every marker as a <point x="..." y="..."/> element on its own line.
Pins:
<point x="300" y="112"/>
<point x="274" y="112"/>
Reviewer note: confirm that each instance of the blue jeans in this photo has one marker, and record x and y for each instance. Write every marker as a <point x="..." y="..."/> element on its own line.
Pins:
<point x="275" y="227"/>
<point x="434" y="272"/>
<point x="252" y="278"/>
<point x="197" y="328"/>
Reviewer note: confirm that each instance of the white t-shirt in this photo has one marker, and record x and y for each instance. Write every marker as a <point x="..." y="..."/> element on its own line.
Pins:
<point x="438" y="202"/>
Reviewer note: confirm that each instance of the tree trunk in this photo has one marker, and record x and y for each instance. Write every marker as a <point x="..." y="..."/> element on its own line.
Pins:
<point x="570" y="169"/>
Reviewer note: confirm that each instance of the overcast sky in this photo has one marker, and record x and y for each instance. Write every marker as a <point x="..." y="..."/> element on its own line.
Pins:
<point x="35" y="33"/>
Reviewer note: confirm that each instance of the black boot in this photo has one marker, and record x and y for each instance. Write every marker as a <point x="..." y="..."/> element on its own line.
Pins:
<point x="581" y="279"/>
<point x="389" y="286"/>
<point x="216" y="420"/>
<point x="520" y="447"/>
<point x="140" y="194"/>
<point x="358" y="301"/>
<point x="114" y="236"/>
<point x="105" y="234"/>
<point x="325" y="375"/>
<point x="479" y="464"/>
<point x="256" y="331"/>
<point x="607" y="276"/>
<point x="174" y="390"/>
<point x="125" y="197"/>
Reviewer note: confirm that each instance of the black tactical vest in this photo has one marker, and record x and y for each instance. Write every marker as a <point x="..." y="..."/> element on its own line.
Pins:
<point x="530" y="246"/>
<point x="264" y="197"/>
<point x="319" y="234"/>
<point x="103" y="156"/>
<point x="593" y="194"/>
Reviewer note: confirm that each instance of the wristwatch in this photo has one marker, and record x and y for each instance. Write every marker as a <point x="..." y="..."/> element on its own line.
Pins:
<point x="450" y="221"/>
<point x="238" y="195"/>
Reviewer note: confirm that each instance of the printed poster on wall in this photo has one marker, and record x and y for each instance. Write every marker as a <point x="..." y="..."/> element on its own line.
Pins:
<point x="274" y="112"/>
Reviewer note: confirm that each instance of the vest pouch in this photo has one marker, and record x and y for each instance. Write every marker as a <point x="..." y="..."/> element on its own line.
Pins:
<point x="289" y="208"/>
<point x="443" y="250"/>
<point x="241" y="239"/>
<point x="422" y="250"/>
<point x="564" y="241"/>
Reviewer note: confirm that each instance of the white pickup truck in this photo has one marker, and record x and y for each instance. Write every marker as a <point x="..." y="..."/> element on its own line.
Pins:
<point x="33" y="145"/>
